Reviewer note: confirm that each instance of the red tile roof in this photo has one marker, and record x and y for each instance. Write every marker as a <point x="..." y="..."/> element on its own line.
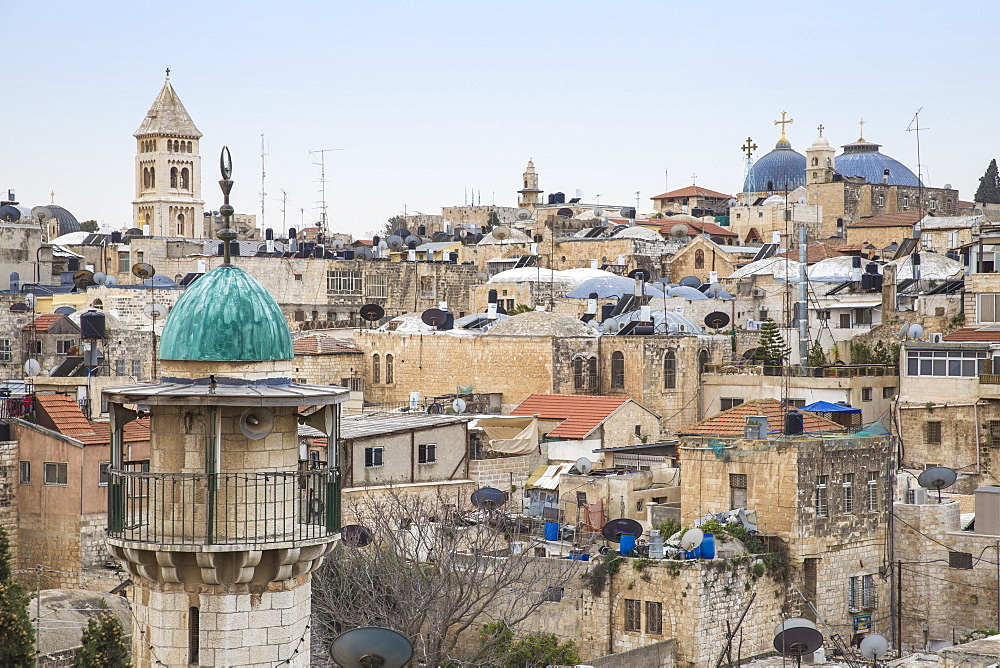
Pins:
<point x="697" y="228"/>
<point x="732" y="423"/>
<point x="43" y="322"/>
<point x="581" y="414"/>
<point x="814" y="253"/>
<point x="65" y="417"/>
<point x="321" y="344"/>
<point x="692" y="191"/>
<point x="897" y="219"/>
<point x="973" y="334"/>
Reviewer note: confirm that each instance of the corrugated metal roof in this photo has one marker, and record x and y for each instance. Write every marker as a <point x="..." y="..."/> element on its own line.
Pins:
<point x="363" y="426"/>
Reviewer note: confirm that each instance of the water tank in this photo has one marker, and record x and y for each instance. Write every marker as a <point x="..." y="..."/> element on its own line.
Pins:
<point x="552" y="531"/>
<point x="92" y="325"/>
<point x="606" y="310"/>
<point x="73" y="264"/>
<point x="116" y="237"/>
<point x="793" y="423"/>
<point x="707" y="548"/>
<point x="269" y="234"/>
<point x="856" y="262"/>
<point x="871" y="268"/>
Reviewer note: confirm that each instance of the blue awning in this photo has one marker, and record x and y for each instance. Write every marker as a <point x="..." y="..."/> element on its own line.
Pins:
<point x="827" y="407"/>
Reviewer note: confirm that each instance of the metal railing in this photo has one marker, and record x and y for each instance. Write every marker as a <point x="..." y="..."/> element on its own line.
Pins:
<point x="223" y="508"/>
<point x="989" y="379"/>
<point x="20" y="406"/>
<point x="852" y="371"/>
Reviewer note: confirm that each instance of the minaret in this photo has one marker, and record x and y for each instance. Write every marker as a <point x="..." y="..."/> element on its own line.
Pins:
<point x="529" y="194"/>
<point x="222" y="530"/>
<point x="819" y="160"/>
<point x="168" y="170"/>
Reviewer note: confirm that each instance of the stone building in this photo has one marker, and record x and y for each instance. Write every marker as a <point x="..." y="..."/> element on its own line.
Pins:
<point x="885" y="229"/>
<point x="703" y="258"/>
<point x="693" y="200"/>
<point x="321" y="359"/>
<point x="595" y="421"/>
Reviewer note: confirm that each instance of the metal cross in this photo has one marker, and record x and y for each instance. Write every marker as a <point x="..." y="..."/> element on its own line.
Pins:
<point x="168" y="72"/>
<point x="749" y="147"/>
<point x="694" y="178"/>
<point x="820" y="128"/>
<point x="861" y="124"/>
<point x="783" y="123"/>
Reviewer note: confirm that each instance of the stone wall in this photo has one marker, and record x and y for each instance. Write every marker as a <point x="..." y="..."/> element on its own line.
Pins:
<point x="9" y="483"/>
<point x="504" y="472"/>
<point x="659" y="655"/>
<point x="966" y="440"/>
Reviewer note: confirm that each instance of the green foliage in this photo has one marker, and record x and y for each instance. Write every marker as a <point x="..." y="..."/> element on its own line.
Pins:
<point x="393" y="224"/>
<point x="756" y="546"/>
<point x="89" y="226"/>
<point x="771" y="347"/>
<point x="737" y="531"/>
<point x="712" y="527"/>
<point x="493" y="220"/>
<point x="816" y="355"/>
<point x="977" y="634"/>
<point x="640" y="563"/>
<point x="519" y="308"/>
<point x="989" y="185"/>
<point x="534" y="650"/>
<point x="17" y="636"/>
<point x="879" y="353"/>
<point x="758" y="569"/>
<point x="103" y="644"/>
<point x="668" y="528"/>
<point x="596" y="577"/>
<point x="957" y="320"/>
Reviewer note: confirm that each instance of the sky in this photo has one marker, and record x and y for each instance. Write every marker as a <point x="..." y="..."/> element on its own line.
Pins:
<point x="431" y="101"/>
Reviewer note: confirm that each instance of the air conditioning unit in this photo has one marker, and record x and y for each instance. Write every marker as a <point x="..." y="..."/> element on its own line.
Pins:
<point x="758" y="292"/>
<point x="936" y="337"/>
<point x="916" y="496"/>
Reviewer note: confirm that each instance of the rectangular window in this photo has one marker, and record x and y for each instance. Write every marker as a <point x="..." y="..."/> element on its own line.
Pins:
<point x="55" y="473"/>
<point x="822" y="509"/>
<point x="103" y="479"/>
<point x="933" y="204"/>
<point x="377" y="285"/>
<point x="797" y="403"/>
<point x="427" y="453"/>
<point x="25" y="473"/>
<point x="925" y="240"/>
<point x="906" y="203"/>
<point x="881" y="200"/>
<point x="341" y="282"/>
<point x="863" y="316"/>
<point x="932" y="433"/>
<point x="823" y="314"/>
<point x="124" y="262"/>
<point x="427" y="290"/>
<point x="137" y="368"/>
<point x="63" y="347"/>
<point x="873" y="491"/>
<point x="960" y="560"/>
<point x="373" y="457"/>
<point x="737" y="490"/>
<point x="553" y="594"/>
<point x="888" y="392"/>
<point x="633" y="615"/>
<point x="725" y="403"/>
<point x="868" y="599"/>
<point x="989" y="308"/>
<point x="5" y="354"/>
<point x="866" y="394"/>
<point x="34" y="347"/>
<point x="762" y="314"/>
<point x="853" y="592"/>
<point x="993" y="437"/>
<point x="194" y="637"/>
<point x="845" y="320"/>
<point x="954" y="363"/>
<point x="654" y="617"/>
<point x="848" y="487"/>
<point x="121" y="367"/>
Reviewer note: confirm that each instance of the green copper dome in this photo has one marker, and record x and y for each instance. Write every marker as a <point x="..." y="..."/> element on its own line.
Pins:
<point x="226" y="316"/>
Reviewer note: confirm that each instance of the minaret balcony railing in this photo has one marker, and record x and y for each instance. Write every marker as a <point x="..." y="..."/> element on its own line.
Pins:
<point x="225" y="508"/>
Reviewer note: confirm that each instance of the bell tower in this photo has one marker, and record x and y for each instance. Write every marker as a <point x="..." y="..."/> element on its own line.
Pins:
<point x="529" y="195"/>
<point x="168" y="170"/>
<point x="819" y="160"/>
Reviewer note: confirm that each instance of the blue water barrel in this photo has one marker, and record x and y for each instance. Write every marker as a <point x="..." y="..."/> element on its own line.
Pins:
<point x="691" y="554"/>
<point x="552" y="531"/>
<point x="707" y="548"/>
<point x="626" y="544"/>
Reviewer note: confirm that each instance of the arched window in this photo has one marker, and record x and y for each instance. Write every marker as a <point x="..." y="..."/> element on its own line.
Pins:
<point x="170" y="146"/>
<point x="189" y="147"/>
<point x="180" y="225"/>
<point x="388" y="370"/>
<point x="579" y="379"/>
<point x="177" y="146"/>
<point x="97" y="305"/>
<point x="669" y="370"/>
<point x="152" y="177"/>
<point x="173" y="177"/>
<point x="154" y="144"/>
<point x="815" y="161"/>
<point x="592" y="373"/>
<point x="702" y="361"/>
<point x="617" y="370"/>
<point x="699" y="259"/>
<point x="376" y="369"/>
<point x="185" y="179"/>
<point x="145" y="177"/>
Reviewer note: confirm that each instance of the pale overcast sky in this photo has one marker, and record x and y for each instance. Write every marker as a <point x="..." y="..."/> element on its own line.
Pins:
<point x="430" y="99"/>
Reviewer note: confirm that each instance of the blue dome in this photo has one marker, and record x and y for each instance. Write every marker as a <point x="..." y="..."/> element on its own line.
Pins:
<point x="784" y="168"/>
<point x="862" y="158"/>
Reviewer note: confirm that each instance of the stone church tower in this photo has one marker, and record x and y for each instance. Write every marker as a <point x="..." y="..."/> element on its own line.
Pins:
<point x="168" y="170"/>
<point x="820" y="161"/>
<point x="529" y="196"/>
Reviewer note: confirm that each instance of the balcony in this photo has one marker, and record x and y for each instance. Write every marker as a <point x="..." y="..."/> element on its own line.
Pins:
<point x="845" y="371"/>
<point x="229" y="509"/>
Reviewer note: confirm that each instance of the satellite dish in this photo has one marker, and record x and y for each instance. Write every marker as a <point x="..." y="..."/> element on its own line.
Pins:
<point x="363" y="254"/>
<point x="30" y="299"/>
<point x="458" y="405"/>
<point x="83" y="278"/>
<point x="565" y="212"/>
<point x="402" y="233"/>
<point x="462" y="233"/>
<point x="679" y="230"/>
<point x="874" y="647"/>
<point x="797" y="637"/>
<point x="638" y="273"/>
<point x="100" y="277"/>
<point x="368" y="646"/>
<point x="356" y="535"/>
<point x="598" y="212"/>
<point x="65" y="310"/>
<point x="434" y="317"/>
<point x="501" y="232"/>
<point x="610" y="326"/>
<point x="256" y="423"/>
<point x="627" y="212"/>
<point x="802" y="200"/>
<point x="10" y="214"/>
<point x="412" y="241"/>
<point x="937" y="477"/>
<point x="584" y="466"/>
<point x="717" y="319"/>
<point x="691" y="282"/>
<point x="18" y="308"/>
<point x="143" y="270"/>
<point x="488" y="498"/>
<point x="947" y="186"/>
<point x="522" y="214"/>
<point x="903" y="331"/>
<point x="155" y="310"/>
<point x="691" y="539"/>
<point x="613" y="530"/>
<point x="395" y="242"/>
<point x="483" y="276"/>
<point x="371" y="312"/>
<point x="915" y="331"/>
<point x="110" y="281"/>
<point x="41" y="213"/>
<point x="32" y="368"/>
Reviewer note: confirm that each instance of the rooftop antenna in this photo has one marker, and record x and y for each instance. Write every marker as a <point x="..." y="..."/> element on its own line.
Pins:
<point x="322" y="185"/>
<point x="263" y="174"/>
<point x="914" y="127"/>
<point x="694" y="179"/>
<point x="284" y="206"/>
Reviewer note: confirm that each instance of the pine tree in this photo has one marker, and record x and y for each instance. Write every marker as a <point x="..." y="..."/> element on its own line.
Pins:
<point x="989" y="185"/>
<point x="17" y="637"/>
<point x="816" y="355"/>
<point x="103" y="644"/>
<point x="771" y="345"/>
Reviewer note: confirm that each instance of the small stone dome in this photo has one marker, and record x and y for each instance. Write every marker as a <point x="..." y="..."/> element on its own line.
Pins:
<point x="541" y="323"/>
<point x="226" y="316"/>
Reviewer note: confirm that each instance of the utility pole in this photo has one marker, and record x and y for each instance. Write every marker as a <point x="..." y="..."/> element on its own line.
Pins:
<point x="322" y="185"/>
<point x="284" y="206"/>
<point x="263" y="194"/>
<point x="899" y="608"/>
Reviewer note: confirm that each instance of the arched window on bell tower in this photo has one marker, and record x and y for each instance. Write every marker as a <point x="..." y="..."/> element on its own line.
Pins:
<point x="185" y="179"/>
<point x="152" y="177"/>
<point x="173" y="177"/>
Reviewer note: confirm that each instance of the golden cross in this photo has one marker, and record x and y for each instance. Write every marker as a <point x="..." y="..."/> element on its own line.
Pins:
<point x="53" y="196"/>
<point x="861" y="124"/>
<point x="783" y="123"/>
<point x="749" y="147"/>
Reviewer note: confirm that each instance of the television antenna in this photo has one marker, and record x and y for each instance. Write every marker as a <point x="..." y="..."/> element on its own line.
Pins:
<point x="322" y="185"/>
<point x="263" y="174"/>
<point x="915" y="128"/>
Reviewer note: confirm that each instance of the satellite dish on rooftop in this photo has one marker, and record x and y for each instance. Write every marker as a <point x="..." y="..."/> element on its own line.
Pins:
<point x="363" y="254"/>
<point x="483" y="276"/>
<point x="613" y="530"/>
<point x="41" y="213"/>
<point x="100" y="277"/>
<point x="584" y="466"/>
<point x="9" y="214"/>
<point x="717" y="319"/>
<point x="110" y="281"/>
<point x="32" y="368"/>
<point x="598" y="212"/>
<point x="458" y="405"/>
<point x="501" y="232"/>
<point x="797" y="637"/>
<point x="915" y="331"/>
<point x="143" y="270"/>
<point x="30" y="299"/>
<point x="937" y="477"/>
<point x="679" y="230"/>
<point x="371" y="312"/>
<point x="356" y="535"/>
<point x="565" y="212"/>
<point x="412" y="241"/>
<point x="522" y="214"/>
<point x="395" y="242"/>
<point x="434" y="317"/>
<point x="154" y="310"/>
<point x="83" y="278"/>
<point x="370" y="646"/>
<point x="18" y="308"/>
<point x="610" y="326"/>
<point x="874" y="647"/>
<point x="691" y="282"/>
<point x="691" y="539"/>
<point x="65" y="310"/>
<point x="488" y="498"/>
<point x="903" y="331"/>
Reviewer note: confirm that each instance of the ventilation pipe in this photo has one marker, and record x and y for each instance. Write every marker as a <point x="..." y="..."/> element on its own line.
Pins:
<point x="591" y="311"/>
<point x="593" y="263"/>
<point x="491" y="308"/>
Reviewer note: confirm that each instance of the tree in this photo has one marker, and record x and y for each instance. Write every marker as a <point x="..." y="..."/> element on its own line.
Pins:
<point x="103" y="643"/>
<point x="533" y="650"/>
<point x="492" y="220"/>
<point x="816" y="355"/>
<point x="520" y="308"/>
<point x="17" y="637"/>
<point x="393" y="224"/>
<point x="89" y="226"/>
<point x="771" y="346"/>
<point x="989" y="185"/>
<point x="434" y="571"/>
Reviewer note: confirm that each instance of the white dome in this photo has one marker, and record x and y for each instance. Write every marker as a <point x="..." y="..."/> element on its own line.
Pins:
<point x="832" y="270"/>
<point x="639" y="232"/>
<point x="516" y="237"/>
<point x="783" y="269"/>
<point x="821" y="142"/>
<point x="774" y="200"/>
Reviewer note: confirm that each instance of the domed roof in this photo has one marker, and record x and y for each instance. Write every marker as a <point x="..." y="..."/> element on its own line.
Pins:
<point x="783" y="168"/>
<point x="611" y="286"/>
<point x="541" y="323"/>
<point x="67" y="221"/>
<point x="862" y="158"/>
<point x="516" y="237"/>
<point x="226" y="316"/>
<point x="639" y="232"/>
